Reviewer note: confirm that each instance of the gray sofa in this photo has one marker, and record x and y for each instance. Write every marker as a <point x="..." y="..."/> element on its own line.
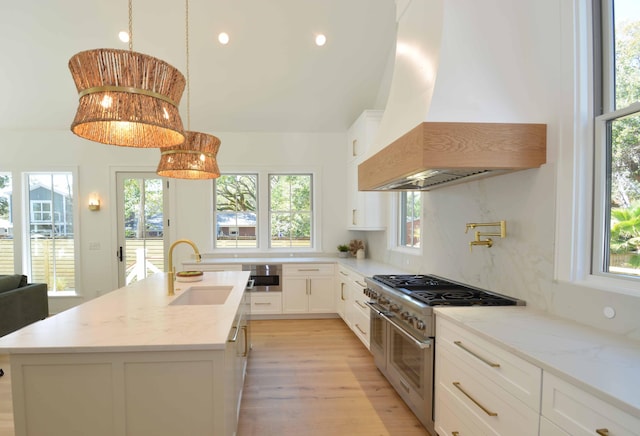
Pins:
<point x="21" y="303"/>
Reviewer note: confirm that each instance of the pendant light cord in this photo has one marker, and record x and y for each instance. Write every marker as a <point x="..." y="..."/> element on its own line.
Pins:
<point x="188" y="80"/>
<point x="130" y="25"/>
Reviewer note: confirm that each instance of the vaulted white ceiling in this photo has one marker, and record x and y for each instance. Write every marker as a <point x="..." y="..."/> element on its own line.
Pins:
<point x="270" y="77"/>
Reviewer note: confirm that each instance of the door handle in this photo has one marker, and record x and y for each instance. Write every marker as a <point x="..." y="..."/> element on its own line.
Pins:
<point x="119" y="254"/>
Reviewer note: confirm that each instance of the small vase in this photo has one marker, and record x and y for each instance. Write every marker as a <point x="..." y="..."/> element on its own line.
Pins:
<point x="360" y="254"/>
<point x="342" y="254"/>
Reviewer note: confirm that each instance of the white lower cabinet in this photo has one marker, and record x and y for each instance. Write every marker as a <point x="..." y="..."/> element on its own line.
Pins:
<point x="351" y="301"/>
<point x="548" y="428"/>
<point x="579" y="413"/>
<point x="483" y="389"/>
<point x="308" y="288"/>
<point x="263" y="303"/>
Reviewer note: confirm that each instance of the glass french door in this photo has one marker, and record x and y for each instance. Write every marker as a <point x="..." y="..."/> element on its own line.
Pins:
<point x="142" y="200"/>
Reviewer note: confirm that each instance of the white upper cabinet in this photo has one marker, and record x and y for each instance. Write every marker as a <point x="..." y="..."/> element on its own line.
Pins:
<point x="364" y="209"/>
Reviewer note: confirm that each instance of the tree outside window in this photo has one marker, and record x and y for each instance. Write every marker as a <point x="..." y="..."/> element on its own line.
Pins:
<point x="410" y="209"/>
<point x="6" y="226"/>
<point x="290" y="210"/>
<point x="236" y="211"/>
<point x="622" y="110"/>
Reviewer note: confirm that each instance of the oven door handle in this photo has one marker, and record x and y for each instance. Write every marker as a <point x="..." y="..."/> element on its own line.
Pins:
<point x="420" y="344"/>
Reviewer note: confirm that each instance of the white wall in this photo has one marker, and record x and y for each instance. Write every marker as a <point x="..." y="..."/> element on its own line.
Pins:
<point x="191" y="208"/>
<point x="505" y="60"/>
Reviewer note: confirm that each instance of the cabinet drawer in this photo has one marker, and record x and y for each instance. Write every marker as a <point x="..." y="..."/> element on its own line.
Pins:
<point x="579" y="413"/>
<point x="266" y="302"/>
<point x="357" y="298"/>
<point x="309" y="269"/>
<point x="360" y="326"/>
<point x="520" y="378"/>
<point x="453" y="418"/>
<point x="347" y="275"/>
<point x="488" y="405"/>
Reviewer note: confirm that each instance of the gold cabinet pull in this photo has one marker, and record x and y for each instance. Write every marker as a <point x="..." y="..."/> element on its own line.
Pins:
<point x="361" y="284"/>
<point x="361" y="331"/>
<point x="484" y="409"/>
<point x="342" y="291"/>
<point x="603" y="431"/>
<point x="455" y="433"/>
<point x="360" y="304"/>
<point x="482" y="359"/>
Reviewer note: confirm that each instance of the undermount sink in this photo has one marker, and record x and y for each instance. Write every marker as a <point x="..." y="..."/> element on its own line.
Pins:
<point x="203" y="295"/>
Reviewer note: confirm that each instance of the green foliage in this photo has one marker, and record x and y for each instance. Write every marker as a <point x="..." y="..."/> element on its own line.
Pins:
<point x="625" y="148"/>
<point x="290" y="206"/>
<point x="4" y="203"/>
<point x="237" y="192"/>
<point x="142" y="200"/>
<point x="343" y="248"/>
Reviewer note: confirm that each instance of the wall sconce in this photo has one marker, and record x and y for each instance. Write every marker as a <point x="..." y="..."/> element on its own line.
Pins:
<point x="94" y="203"/>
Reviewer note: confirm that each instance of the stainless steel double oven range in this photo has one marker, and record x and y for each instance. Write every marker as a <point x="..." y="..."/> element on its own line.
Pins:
<point x="403" y="330"/>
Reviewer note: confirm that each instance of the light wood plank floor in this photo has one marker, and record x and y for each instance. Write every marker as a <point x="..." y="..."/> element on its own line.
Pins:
<point x="314" y="377"/>
<point x="304" y="377"/>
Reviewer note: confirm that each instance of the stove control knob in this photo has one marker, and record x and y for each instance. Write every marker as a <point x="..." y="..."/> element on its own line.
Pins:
<point x="420" y="325"/>
<point x="405" y="315"/>
<point x="395" y="308"/>
<point x="411" y="319"/>
<point x="383" y="300"/>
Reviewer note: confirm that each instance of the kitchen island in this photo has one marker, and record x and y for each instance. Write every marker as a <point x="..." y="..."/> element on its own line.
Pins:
<point x="135" y="361"/>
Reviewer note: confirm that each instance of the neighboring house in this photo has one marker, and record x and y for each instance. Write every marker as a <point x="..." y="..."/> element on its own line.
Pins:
<point x="236" y="224"/>
<point x="50" y="211"/>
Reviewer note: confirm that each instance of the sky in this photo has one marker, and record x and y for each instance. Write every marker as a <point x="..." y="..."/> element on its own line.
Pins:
<point x="627" y="10"/>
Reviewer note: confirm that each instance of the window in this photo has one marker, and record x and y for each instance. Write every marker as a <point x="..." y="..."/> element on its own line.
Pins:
<point x="290" y="210"/>
<point x="51" y="247"/>
<point x="6" y="225"/>
<point x="236" y="200"/>
<point x="410" y="208"/>
<point x="617" y="141"/>
<point x="283" y="219"/>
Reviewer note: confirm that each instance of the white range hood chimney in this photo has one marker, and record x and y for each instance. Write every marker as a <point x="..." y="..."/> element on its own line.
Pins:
<point x="459" y="103"/>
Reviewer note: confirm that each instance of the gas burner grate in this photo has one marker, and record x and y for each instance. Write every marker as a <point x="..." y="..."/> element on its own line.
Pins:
<point x="414" y="282"/>
<point x="462" y="297"/>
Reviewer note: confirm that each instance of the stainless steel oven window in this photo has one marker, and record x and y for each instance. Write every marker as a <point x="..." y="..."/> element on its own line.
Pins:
<point x="408" y="359"/>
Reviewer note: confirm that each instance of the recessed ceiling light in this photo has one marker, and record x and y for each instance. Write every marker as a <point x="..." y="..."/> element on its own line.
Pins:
<point x="223" y="38"/>
<point x="321" y="40"/>
<point x="124" y="36"/>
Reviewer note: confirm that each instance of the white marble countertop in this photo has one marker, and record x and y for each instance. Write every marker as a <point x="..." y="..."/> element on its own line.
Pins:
<point x="137" y="317"/>
<point x="601" y="363"/>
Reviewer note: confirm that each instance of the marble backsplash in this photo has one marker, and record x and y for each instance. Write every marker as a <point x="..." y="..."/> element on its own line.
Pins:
<point x="520" y="265"/>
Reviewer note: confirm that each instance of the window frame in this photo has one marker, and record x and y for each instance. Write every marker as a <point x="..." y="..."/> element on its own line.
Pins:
<point x="395" y="221"/>
<point x="401" y="228"/>
<point x="25" y="210"/>
<point x="585" y="72"/>
<point x="270" y="212"/>
<point x="258" y="213"/>
<point x="263" y="222"/>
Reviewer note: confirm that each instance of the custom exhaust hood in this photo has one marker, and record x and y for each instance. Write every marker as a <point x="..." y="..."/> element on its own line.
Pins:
<point x="461" y="97"/>
<point x="437" y="154"/>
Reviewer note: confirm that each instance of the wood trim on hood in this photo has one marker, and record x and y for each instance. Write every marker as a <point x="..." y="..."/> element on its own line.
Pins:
<point x="434" y="154"/>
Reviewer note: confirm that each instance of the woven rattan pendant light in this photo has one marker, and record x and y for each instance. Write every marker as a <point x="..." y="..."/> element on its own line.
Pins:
<point x="196" y="157"/>
<point x="127" y="98"/>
